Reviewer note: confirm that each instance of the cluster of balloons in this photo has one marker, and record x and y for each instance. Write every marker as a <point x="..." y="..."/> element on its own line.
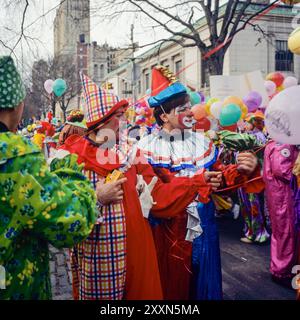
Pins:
<point x="58" y="87"/>
<point x="276" y="82"/>
<point x="143" y="114"/>
<point x="229" y="111"/>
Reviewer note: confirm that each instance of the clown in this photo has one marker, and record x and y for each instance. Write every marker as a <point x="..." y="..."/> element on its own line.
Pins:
<point x="279" y="160"/>
<point x="187" y="244"/>
<point x="118" y="260"/>
<point x="37" y="206"/>
<point x="252" y="204"/>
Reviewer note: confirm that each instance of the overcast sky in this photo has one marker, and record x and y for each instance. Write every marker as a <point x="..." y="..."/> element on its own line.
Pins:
<point x="38" y="27"/>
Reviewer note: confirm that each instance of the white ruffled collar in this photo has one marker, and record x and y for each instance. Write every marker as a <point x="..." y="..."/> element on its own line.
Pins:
<point x="178" y="151"/>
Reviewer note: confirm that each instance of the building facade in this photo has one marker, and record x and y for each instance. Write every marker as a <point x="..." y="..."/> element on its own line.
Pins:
<point x="250" y="50"/>
<point x="72" y="39"/>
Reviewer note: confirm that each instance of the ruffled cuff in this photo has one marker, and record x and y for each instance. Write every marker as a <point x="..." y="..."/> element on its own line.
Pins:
<point x="232" y="176"/>
<point x="256" y="183"/>
<point x="203" y="188"/>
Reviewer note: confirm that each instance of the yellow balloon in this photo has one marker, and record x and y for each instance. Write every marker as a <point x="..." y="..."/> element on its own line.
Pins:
<point x="211" y="101"/>
<point x="294" y="41"/>
<point x="207" y="109"/>
<point x="280" y="88"/>
<point x="244" y="109"/>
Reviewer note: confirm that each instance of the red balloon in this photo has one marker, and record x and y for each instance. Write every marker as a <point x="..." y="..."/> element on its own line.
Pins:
<point x="202" y="124"/>
<point x="232" y="128"/>
<point x="276" y="77"/>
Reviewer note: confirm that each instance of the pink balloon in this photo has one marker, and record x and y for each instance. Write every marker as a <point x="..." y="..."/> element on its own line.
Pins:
<point x="48" y="86"/>
<point x="290" y="82"/>
<point x="270" y="87"/>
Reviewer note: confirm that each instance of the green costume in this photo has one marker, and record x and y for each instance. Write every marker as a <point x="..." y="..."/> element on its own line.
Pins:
<point x="37" y="207"/>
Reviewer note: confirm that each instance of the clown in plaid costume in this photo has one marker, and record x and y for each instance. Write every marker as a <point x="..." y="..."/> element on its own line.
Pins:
<point x="118" y="260"/>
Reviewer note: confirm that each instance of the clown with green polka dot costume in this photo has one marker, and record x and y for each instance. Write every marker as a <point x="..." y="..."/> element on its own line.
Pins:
<point x="38" y="206"/>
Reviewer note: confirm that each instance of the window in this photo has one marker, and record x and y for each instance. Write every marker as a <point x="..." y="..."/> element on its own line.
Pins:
<point x="96" y="72"/>
<point x="102" y="71"/>
<point x="147" y="81"/>
<point x="284" y="58"/>
<point x="204" y="74"/>
<point x="164" y="62"/>
<point x="139" y="87"/>
<point x="82" y="38"/>
<point x="178" y="67"/>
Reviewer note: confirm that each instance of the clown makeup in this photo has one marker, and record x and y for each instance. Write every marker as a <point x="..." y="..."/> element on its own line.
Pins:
<point x="185" y="115"/>
<point x="182" y="109"/>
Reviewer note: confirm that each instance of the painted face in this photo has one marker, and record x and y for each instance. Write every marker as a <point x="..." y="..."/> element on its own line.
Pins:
<point x="110" y="131"/>
<point x="185" y="116"/>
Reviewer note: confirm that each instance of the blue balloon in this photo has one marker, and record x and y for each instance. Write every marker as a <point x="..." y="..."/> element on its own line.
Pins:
<point x="195" y="98"/>
<point x="230" y="115"/>
<point x="59" y="87"/>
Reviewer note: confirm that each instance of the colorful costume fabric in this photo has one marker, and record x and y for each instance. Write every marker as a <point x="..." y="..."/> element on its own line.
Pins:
<point x="278" y="166"/>
<point x="36" y="208"/>
<point x="252" y="205"/>
<point x="189" y="269"/>
<point x="139" y="277"/>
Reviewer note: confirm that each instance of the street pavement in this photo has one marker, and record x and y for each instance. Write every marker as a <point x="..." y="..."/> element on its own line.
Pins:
<point x="245" y="268"/>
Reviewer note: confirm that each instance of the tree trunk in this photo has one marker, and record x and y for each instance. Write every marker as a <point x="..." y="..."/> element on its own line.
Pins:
<point x="215" y="64"/>
<point x="53" y="104"/>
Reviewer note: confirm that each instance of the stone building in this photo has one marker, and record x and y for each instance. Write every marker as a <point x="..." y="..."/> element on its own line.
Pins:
<point x="249" y="51"/>
<point x="72" y="38"/>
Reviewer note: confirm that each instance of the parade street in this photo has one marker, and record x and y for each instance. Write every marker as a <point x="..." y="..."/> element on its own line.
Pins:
<point x="245" y="268"/>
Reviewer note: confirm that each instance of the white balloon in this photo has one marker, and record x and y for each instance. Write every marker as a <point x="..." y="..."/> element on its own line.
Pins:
<point x="216" y="108"/>
<point x="290" y="82"/>
<point x="48" y="85"/>
<point x="282" y="116"/>
<point x="270" y="87"/>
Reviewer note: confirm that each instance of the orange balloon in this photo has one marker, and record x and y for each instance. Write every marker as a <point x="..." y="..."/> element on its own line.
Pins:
<point x="199" y="111"/>
<point x="233" y="100"/>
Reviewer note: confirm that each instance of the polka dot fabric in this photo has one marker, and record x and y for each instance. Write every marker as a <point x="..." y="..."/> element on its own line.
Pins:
<point x="12" y="90"/>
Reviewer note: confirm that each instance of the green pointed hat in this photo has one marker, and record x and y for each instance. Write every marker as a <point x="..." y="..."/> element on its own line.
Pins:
<point x="12" y="90"/>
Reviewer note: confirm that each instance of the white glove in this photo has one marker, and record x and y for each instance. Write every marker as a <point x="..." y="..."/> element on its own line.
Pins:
<point x="57" y="154"/>
<point x="144" y="190"/>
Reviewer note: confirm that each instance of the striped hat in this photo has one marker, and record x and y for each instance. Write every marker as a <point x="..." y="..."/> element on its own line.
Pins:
<point x="99" y="104"/>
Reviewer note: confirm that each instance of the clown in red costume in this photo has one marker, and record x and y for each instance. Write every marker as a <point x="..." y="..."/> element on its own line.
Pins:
<point x="118" y="260"/>
<point x="188" y="244"/>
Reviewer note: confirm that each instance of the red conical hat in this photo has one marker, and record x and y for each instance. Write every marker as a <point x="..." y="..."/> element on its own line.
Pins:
<point x="160" y="80"/>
